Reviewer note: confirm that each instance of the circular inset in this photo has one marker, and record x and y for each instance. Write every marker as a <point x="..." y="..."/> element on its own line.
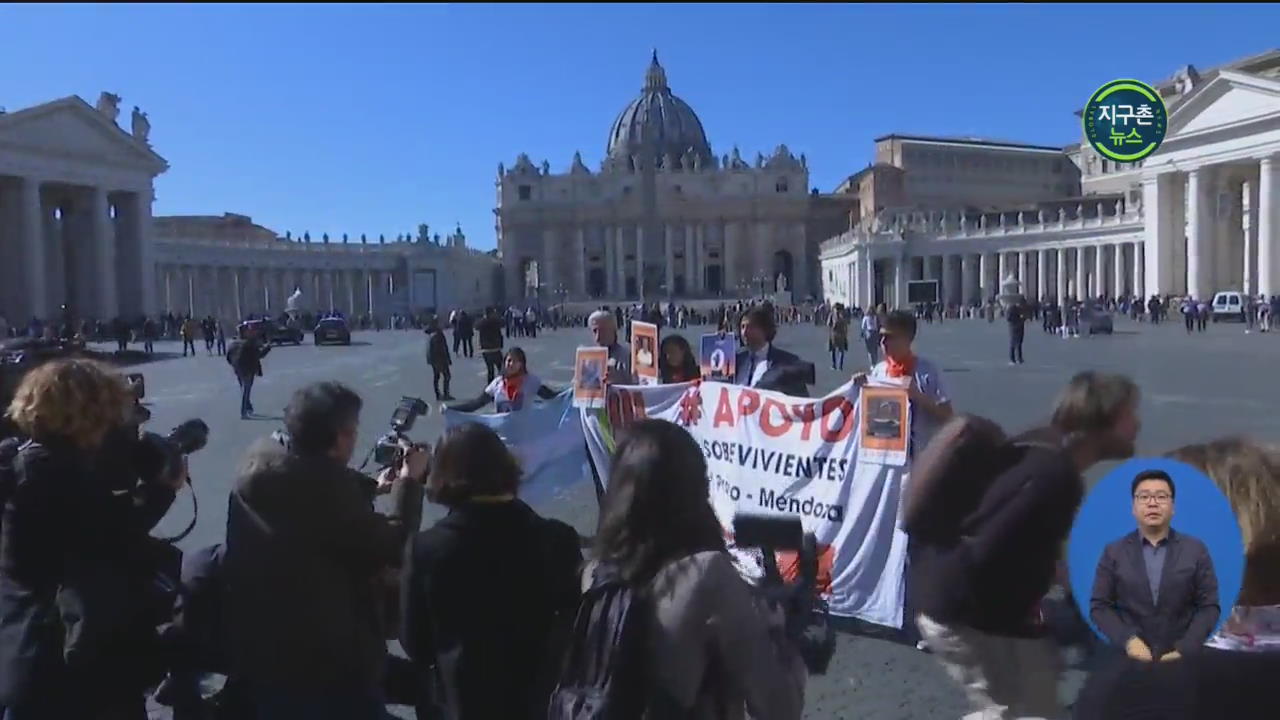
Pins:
<point x="1107" y="553"/>
<point x="1125" y="120"/>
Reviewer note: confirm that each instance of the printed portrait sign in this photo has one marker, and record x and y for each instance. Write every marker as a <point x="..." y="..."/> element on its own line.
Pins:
<point x="1125" y="120"/>
<point x="885" y="425"/>
<point x="644" y="352"/>
<point x="589" y="364"/>
<point x="717" y="357"/>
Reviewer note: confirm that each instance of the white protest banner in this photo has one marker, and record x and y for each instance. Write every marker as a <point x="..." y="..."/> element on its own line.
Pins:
<point x="772" y="453"/>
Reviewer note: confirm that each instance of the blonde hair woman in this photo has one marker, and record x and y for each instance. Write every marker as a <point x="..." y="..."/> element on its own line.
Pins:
<point x="74" y="632"/>
<point x="1233" y="675"/>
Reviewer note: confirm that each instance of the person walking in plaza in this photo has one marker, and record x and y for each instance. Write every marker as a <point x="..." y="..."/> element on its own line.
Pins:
<point x="221" y="328"/>
<point x="869" y="331"/>
<point x="245" y="357"/>
<point x="464" y="331"/>
<point x="838" y="342"/>
<point x="490" y="331"/>
<point x="439" y="359"/>
<point x="188" y="336"/>
<point x="1016" y="317"/>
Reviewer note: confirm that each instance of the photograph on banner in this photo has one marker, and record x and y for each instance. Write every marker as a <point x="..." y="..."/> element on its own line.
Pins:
<point x="1155" y="556"/>
<point x="644" y="352"/>
<point x="589" y="365"/>
<point x="718" y="357"/>
<point x="885" y="426"/>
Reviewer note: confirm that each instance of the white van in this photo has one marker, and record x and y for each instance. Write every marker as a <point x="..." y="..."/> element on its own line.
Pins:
<point x="1229" y="305"/>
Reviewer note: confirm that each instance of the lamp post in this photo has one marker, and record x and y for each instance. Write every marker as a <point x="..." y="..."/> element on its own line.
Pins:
<point x="562" y="292"/>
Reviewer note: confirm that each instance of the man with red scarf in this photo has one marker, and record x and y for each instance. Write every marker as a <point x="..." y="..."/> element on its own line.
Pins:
<point x="930" y="405"/>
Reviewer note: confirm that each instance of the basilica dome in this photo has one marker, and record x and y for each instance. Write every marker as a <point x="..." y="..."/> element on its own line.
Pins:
<point x="657" y="125"/>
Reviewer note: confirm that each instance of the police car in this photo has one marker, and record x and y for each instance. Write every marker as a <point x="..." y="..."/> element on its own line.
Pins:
<point x="332" y="329"/>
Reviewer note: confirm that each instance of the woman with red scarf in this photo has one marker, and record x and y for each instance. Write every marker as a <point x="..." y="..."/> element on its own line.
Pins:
<point x="676" y="363"/>
<point x="509" y="391"/>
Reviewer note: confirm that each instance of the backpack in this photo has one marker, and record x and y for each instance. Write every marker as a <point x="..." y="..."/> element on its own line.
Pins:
<point x="955" y="473"/>
<point x="604" y="674"/>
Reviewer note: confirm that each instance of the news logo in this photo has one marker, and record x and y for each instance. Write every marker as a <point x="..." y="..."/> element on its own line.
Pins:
<point x="1125" y="120"/>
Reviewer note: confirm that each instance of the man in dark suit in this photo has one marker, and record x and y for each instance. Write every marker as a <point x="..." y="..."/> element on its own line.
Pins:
<point x="1155" y="593"/>
<point x="761" y="365"/>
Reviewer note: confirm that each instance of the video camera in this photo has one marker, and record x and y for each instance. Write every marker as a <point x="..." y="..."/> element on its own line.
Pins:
<point x="390" y="447"/>
<point x="807" y="625"/>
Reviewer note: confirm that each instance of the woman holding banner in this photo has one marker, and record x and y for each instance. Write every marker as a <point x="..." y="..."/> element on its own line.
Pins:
<point x="509" y="390"/>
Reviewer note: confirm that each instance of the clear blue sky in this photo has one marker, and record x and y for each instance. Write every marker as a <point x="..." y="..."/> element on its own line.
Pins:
<point x="365" y="118"/>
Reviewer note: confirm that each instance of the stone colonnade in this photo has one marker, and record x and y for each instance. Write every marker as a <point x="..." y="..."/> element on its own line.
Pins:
<point x="87" y="247"/>
<point x="1093" y="270"/>
<point x="681" y="258"/>
<point x="1215" y="227"/>
<point x="230" y="291"/>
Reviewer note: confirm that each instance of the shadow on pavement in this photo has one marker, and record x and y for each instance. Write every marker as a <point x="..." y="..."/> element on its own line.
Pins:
<point x="354" y="343"/>
<point x="266" y="418"/>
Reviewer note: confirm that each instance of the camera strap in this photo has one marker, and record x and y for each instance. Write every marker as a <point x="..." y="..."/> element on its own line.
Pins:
<point x="195" y="515"/>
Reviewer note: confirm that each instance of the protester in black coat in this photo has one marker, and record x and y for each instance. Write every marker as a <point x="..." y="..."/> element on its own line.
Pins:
<point x="483" y="588"/>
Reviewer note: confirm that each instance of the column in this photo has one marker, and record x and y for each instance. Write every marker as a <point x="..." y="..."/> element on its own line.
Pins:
<point x="948" y="284"/>
<point x="900" y="282"/>
<point x="1139" y="267"/>
<point x="690" y="261"/>
<point x="1199" y="232"/>
<point x="1269" y="226"/>
<point x="1099" y="271"/>
<point x="1060" y="275"/>
<point x="867" y="285"/>
<point x="1248" y="226"/>
<point x="1042" y="274"/>
<point x="31" y="232"/>
<point x="104" y="254"/>
<point x="669" y="254"/>
<point x="729" y="231"/>
<point x="610" y="260"/>
<point x="620" y="261"/>
<point x="1117" y="260"/>
<point x="1082" y="276"/>
<point x="640" y="288"/>
<point x="1161" y="233"/>
<point x="141" y="212"/>
<point x="580" y="268"/>
<point x="1002" y="262"/>
<point x="548" y="269"/>
<point x="700" y="258"/>
<point x="966" y="279"/>
<point x="1022" y="275"/>
<point x="984" y="277"/>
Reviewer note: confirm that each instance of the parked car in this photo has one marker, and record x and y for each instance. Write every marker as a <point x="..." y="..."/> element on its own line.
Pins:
<point x="332" y="330"/>
<point x="1229" y="305"/>
<point x="1097" y="320"/>
<point x="270" y="331"/>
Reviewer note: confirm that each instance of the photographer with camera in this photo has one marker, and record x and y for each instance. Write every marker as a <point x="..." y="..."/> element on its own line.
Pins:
<point x="667" y="626"/>
<point x="78" y="605"/>
<point x="306" y="560"/>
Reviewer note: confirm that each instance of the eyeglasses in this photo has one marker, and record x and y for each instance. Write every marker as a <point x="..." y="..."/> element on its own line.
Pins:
<point x="1145" y="498"/>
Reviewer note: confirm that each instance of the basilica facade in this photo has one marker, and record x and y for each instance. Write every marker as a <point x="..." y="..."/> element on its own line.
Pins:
<point x="663" y="217"/>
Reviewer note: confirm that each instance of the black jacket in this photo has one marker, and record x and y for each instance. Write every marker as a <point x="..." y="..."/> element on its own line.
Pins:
<point x="490" y="331"/>
<point x="303" y="560"/>
<point x="787" y="373"/>
<point x="74" y="615"/>
<point x="480" y="592"/>
<point x="245" y="357"/>
<point x="1188" y="606"/>
<point x="438" y="350"/>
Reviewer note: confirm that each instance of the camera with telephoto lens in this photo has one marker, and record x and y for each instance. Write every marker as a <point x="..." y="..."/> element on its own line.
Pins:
<point x="807" y="625"/>
<point x="390" y="447"/>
